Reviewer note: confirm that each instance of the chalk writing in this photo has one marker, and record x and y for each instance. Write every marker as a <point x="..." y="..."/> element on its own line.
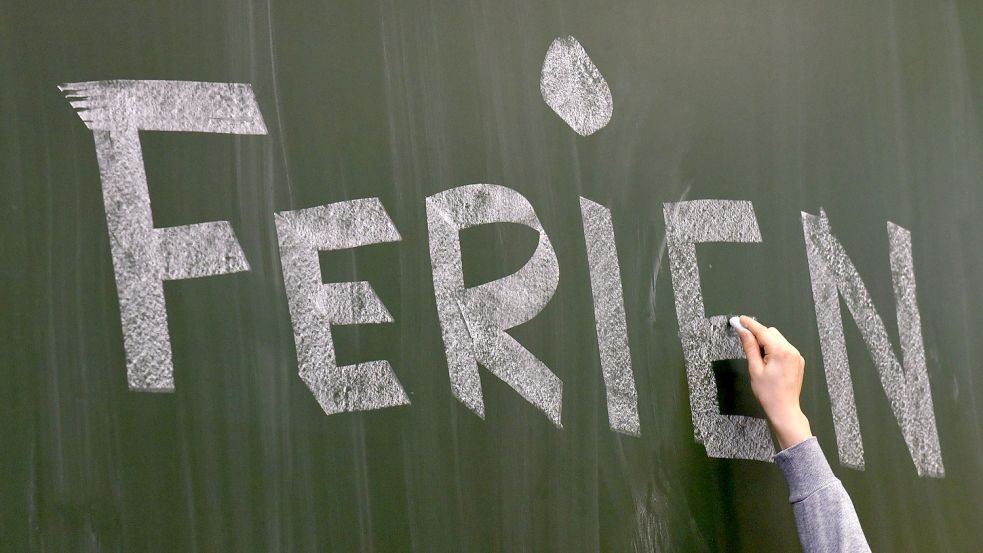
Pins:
<point x="707" y="340"/>
<point x="144" y="256"/>
<point x="907" y="387"/>
<point x="473" y="320"/>
<point x="573" y="87"/>
<point x="315" y="306"/>
<point x="609" y="318"/>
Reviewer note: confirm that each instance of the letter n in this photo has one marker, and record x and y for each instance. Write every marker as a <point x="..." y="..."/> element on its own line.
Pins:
<point x="833" y="276"/>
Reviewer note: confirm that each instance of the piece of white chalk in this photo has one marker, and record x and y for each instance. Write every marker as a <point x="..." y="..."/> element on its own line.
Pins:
<point x="736" y="323"/>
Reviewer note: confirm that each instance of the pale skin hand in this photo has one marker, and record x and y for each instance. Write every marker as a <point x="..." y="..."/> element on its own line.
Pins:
<point x="776" y="380"/>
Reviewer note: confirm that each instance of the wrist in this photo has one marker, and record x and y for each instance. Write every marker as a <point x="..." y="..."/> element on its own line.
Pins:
<point x="790" y="427"/>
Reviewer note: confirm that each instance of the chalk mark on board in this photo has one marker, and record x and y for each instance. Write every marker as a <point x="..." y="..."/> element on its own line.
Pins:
<point x="574" y="88"/>
<point x="659" y="258"/>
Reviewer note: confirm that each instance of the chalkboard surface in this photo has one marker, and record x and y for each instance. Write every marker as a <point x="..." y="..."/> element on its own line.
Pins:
<point x="639" y="165"/>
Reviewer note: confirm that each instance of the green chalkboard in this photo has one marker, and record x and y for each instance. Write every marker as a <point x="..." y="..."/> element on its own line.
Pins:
<point x="869" y="112"/>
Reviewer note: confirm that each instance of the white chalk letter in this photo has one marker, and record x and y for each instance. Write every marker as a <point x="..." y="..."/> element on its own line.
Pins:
<point x="144" y="256"/>
<point x="707" y="340"/>
<point x="609" y="318"/>
<point x="315" y="306"/>
<point x="907" y="387"/>
<point x="473" y="320"/>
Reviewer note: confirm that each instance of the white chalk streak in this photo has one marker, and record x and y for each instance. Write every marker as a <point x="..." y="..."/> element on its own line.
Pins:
<point x="186" y="106"/>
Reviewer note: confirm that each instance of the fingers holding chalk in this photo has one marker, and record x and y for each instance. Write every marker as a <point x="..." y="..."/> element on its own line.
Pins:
<point x="752" y="325"/>
<point x="752" y="349"/>
<point x="763" y="334"/>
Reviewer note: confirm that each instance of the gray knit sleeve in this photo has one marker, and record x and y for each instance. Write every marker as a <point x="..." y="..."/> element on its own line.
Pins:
<point x="824" y="514"/>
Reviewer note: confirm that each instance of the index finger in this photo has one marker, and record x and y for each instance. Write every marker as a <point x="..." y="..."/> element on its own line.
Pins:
<point x="766" y="338"/>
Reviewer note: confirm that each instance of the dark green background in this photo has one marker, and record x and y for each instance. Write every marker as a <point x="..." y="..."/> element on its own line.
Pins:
<point x="871" y="110"/>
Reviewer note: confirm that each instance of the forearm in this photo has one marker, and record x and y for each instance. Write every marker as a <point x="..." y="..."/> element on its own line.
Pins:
<point x="790" y="425"/>
<point x="824" y="515"/>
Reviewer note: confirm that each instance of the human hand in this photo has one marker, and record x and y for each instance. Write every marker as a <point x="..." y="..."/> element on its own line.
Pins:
<point x="776" y="380"/>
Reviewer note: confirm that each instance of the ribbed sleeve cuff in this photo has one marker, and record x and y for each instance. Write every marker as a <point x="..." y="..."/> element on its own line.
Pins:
<point x="805" y="468"/>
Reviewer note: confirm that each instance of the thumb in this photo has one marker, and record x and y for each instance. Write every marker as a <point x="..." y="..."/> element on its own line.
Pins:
<point x="752" y="351"/>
